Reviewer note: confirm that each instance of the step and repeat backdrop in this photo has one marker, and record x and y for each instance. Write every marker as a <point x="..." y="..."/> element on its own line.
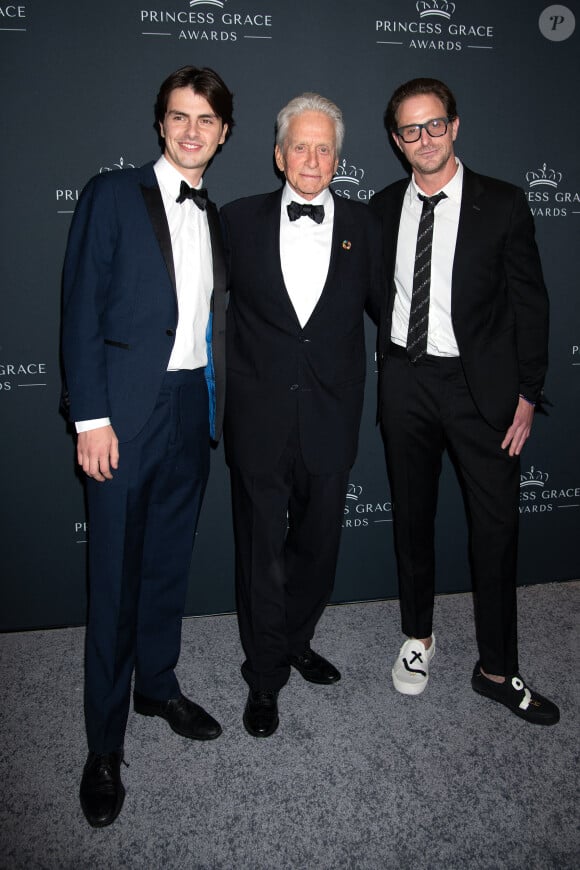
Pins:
<point x="78" y="84"/>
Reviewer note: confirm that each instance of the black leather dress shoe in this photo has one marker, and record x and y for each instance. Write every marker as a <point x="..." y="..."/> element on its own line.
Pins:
<point x="102" y="793"/>
<point x="315" y="668"/>
<point x="517" y="697"/>
<point x="261" y="713"/>
<point x="184" y="717"/>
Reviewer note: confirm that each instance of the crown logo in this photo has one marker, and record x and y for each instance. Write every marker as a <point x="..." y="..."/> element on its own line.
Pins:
<point x="533" y="477"/>
<point x="543" y="175"/>
<point x="354" y="491"/>
<point x="440" y="8"/>
<point x="217" y="3"/>
<point x="120" y="165"/>
<point x="349" y="174"/>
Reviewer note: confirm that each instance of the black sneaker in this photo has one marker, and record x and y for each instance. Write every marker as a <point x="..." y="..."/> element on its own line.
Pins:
<point x="517" y="697"/>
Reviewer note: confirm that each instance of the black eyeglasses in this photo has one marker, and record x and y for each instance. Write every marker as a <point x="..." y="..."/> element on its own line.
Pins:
<point x="435" y="127"/>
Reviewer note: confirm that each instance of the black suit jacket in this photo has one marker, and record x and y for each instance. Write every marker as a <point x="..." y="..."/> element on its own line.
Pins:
<point x="280" y="374"/>
<point x="120" y="302"/>
<point x="499" y="304"/>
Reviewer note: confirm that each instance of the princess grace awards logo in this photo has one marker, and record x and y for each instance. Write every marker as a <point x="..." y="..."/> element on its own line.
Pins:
<point x="548" y="196"/>
<point x="66" y="197"/>
<point x="13" y="18"/>
<point x="22" y="374"/>
<point x="348" y="182"/>
<point x="539" y="496"/>
<point x="81" y="528"/>
<point x="436" y="25"/>
<point x="120" y="165"/>
<point x="206" y="21"/>
<point x="360" y="512"/>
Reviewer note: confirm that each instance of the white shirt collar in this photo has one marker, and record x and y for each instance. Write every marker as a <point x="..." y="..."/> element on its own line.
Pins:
<point x="170" y="178"/>
<point x="289" y="195"/>
<point x="452" y="189"/>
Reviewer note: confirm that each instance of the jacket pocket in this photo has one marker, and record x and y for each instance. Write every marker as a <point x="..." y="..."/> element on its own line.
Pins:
<point x="120" y="344"/>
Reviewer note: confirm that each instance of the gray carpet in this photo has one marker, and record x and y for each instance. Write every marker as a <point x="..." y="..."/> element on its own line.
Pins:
<point x="356" y="777"/>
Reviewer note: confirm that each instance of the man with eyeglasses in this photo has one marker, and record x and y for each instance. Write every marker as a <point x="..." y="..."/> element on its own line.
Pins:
<point x="462" y="357"/>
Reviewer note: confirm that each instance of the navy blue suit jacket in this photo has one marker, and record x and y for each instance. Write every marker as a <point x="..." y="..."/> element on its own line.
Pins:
<point x="499" y="304"/>
<point x="120" y="303"/>
<point x="279" y="373"/>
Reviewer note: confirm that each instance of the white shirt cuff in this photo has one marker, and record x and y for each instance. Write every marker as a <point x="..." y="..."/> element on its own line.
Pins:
<point x="87" y="425"/>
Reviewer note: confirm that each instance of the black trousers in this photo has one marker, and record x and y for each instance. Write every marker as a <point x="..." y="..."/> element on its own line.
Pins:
<point x="427" y="408"/>
<point x="287" y="526"/>
<point x="141" y="531"/>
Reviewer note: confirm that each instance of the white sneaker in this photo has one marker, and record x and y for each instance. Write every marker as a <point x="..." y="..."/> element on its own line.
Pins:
<point x="411" y="670"/>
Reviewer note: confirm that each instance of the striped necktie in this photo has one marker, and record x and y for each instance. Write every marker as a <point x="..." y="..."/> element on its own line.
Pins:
<point x="419" y="316"/>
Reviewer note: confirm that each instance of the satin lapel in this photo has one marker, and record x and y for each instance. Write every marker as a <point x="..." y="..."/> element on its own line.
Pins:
<point x="340" y="226"/>
<point x="391" y="225"/>
<point x="390" y="216"/>
<point x="217" y="249"/>
<point x="271" y="236"/>
<point x="471" y="221"/>
<point x="158" y="218"/>
<point x="391" y="238"/>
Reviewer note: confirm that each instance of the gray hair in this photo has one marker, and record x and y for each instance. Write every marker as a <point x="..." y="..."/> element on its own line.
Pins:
<point x="309" y="102"/>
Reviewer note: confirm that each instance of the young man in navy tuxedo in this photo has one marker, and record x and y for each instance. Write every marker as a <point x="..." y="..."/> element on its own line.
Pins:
<point x="143" y="350"/>
<point x="463" y="348"/>
<point x="303" y="264"/>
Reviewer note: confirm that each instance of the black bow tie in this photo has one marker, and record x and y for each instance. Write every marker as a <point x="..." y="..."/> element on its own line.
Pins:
<point x="198" y="196"/>
<point x="297" y="209"/>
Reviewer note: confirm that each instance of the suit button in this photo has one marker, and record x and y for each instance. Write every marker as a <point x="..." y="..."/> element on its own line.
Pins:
<point x="305" y="340"/>
<point x="169" y="332"/>
<point x="295" y="387"/>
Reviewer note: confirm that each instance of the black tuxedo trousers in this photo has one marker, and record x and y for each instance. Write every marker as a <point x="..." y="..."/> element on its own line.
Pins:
<point x="427" y="408"/>
<point x="287" y="526"/>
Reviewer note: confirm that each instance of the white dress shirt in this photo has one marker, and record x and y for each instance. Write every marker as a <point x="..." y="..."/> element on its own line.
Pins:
<point x="192" y="258"/>
<point x="440" y="336"/>
<point x="305" y="252"/>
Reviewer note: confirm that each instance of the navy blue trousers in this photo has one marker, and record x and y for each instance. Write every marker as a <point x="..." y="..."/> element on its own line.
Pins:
<point x="141" y="531"/>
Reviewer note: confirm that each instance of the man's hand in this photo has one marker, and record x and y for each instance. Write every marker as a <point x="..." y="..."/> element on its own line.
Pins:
<point x="98" y="452"/>
<point x="519" y="432"/>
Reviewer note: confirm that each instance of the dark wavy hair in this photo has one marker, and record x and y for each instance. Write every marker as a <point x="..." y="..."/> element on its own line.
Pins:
<point x="205" y="82"/>
<point x="415" y="88"/>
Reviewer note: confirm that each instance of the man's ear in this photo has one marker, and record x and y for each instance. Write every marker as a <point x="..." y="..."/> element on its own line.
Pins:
<point x="396" y="141"/>
<point x="279" y="157"/>
<point x="454" y="128"/>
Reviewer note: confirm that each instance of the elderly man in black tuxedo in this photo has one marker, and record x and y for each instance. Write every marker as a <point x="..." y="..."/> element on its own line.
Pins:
<point x="303" y="264"/>
<point x="463" y="352"/>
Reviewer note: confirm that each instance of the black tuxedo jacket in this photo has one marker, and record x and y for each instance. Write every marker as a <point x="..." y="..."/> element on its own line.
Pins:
<point x="499" y="304"/>
<point x="280" y="374"/>
<point x="120" y="302"/>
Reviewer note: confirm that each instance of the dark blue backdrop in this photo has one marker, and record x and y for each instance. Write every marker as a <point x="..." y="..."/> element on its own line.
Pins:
<point x="78" y="84"/>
